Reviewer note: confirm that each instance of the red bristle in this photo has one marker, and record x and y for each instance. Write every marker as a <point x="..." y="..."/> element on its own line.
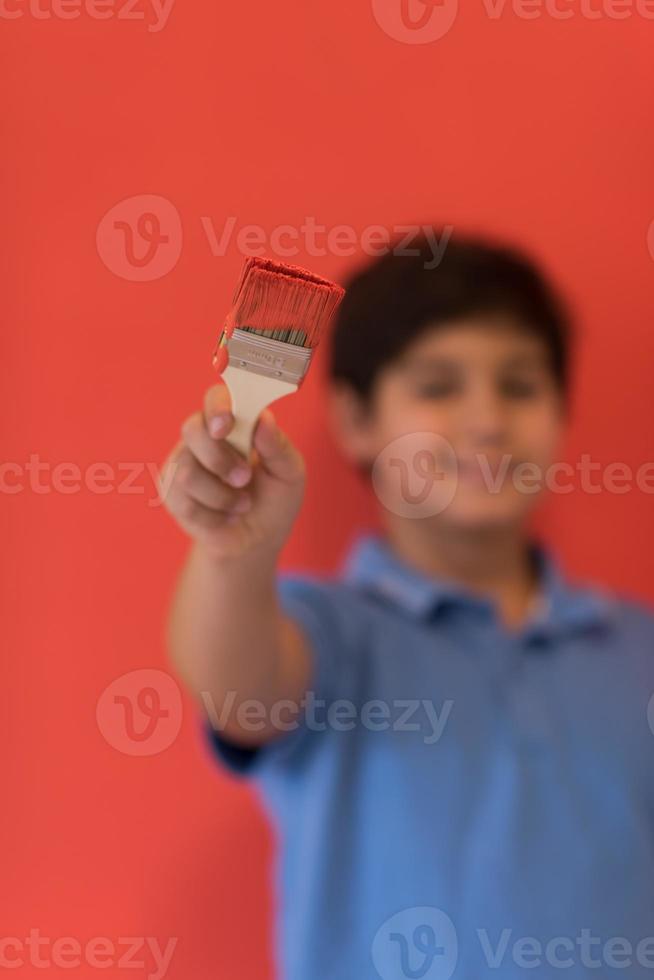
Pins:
<point x="275" y="296"/>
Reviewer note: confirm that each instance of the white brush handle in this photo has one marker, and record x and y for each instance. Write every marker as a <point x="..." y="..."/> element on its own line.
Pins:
<point x="251" y="393"/>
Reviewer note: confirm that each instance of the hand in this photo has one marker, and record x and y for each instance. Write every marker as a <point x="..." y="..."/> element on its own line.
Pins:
<point x="230" y="507"/>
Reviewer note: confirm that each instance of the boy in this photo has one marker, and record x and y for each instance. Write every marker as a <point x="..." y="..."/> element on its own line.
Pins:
<point x="451" y="737"/>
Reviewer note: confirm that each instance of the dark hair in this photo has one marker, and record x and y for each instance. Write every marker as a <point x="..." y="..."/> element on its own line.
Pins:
<point x="390" y="302"/>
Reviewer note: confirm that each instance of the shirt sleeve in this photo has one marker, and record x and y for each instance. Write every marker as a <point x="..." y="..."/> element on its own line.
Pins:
<point x="318" y="607"/>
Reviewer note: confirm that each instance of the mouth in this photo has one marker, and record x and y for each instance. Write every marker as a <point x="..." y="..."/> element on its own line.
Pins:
<point x="481" y="471"/>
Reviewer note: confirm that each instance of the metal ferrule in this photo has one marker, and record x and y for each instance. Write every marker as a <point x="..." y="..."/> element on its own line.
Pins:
<point x="272" y="358"/>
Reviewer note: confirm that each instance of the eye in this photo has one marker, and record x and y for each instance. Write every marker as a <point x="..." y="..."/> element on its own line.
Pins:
<point x="520" y="388"/>
<point x="437" y="389"/>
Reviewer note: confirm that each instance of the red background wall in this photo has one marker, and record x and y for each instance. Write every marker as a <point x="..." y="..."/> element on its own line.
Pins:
<point x="538" y="129"/>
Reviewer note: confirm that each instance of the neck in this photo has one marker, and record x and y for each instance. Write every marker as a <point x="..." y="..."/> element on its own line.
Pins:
<point x="493" y="562"/>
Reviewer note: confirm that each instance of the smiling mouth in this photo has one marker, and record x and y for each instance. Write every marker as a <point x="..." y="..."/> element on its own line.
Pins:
<point x="481" y="471"/>
<point x="474" y="462"/>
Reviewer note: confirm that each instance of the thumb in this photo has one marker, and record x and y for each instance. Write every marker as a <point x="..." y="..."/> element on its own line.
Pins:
<point x="277" y="454"/>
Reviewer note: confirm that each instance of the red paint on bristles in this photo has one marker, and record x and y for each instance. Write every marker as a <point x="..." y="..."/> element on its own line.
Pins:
<point x="290" y="303"/>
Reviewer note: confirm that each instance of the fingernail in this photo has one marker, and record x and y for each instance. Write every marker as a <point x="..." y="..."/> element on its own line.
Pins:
<point x="218" y="424"/>
<point x="239" y="476"/>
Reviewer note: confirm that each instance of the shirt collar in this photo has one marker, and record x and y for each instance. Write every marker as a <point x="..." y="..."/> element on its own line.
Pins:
<point x="564" y="607"/>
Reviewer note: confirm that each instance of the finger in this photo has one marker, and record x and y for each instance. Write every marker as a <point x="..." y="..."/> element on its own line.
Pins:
<point x="277" y="454"/>
<point x="207" y="489"/>
<point x="168" y="472"/>
<point x="196" y="519"/>
<point x="215" y="455"/>
<point x="218" y="411"/>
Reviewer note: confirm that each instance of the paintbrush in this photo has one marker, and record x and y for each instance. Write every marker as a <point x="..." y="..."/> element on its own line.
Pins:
<point x="279" y="313"/>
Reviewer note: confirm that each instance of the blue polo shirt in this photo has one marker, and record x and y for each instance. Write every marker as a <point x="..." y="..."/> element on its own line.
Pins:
<point x="457" y="799"/>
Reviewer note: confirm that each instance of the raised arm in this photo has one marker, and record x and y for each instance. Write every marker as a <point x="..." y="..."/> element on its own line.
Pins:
<point x="227" y="636"/>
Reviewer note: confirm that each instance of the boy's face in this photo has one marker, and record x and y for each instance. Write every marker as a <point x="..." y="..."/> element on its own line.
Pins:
<point x="451" y="421"/>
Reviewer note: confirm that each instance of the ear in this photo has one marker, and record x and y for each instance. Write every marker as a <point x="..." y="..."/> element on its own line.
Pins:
<point x="351" y="421"/>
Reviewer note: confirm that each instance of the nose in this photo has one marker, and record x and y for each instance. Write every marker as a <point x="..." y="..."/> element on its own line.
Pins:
<point x="485" y="416"/>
